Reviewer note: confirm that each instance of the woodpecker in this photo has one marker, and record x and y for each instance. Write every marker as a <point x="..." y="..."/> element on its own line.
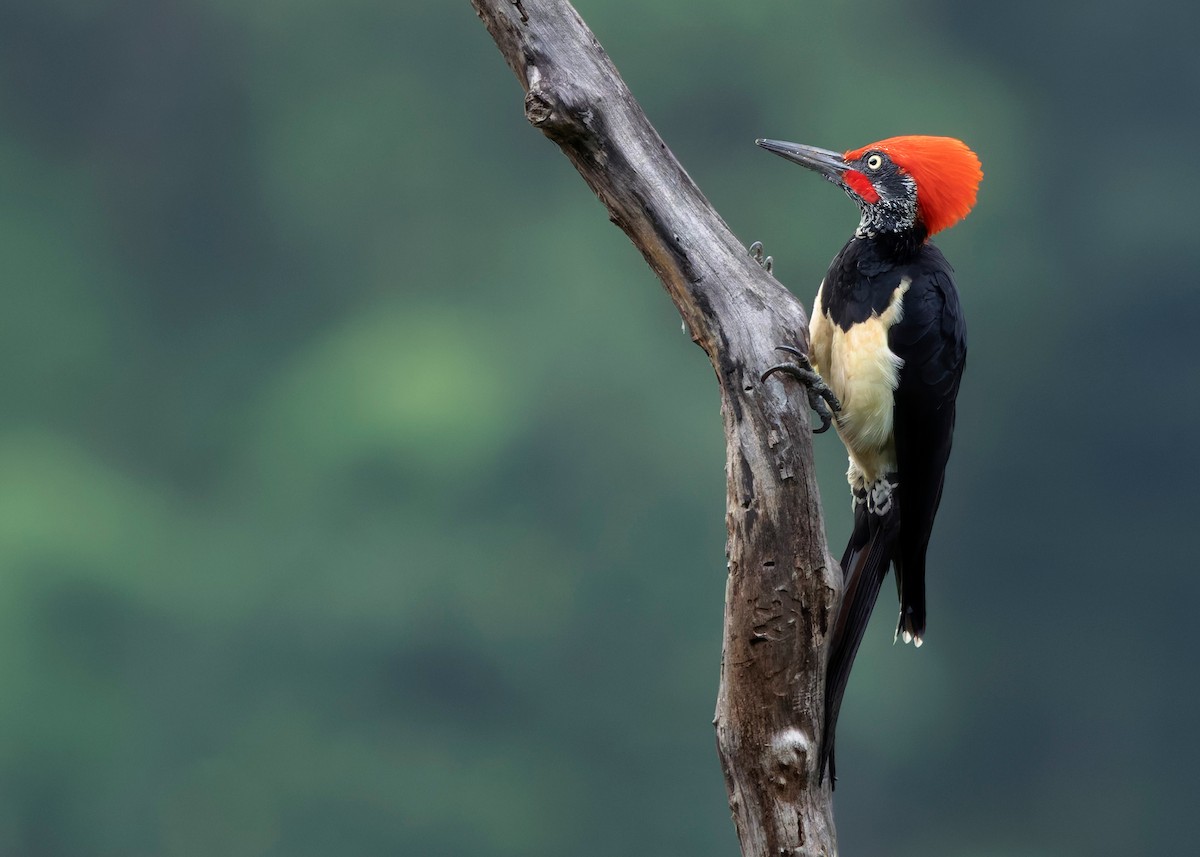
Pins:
<point x="887" y="349"/>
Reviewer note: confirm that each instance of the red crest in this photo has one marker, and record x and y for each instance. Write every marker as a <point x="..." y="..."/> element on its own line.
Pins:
<point x="947" y="174"/>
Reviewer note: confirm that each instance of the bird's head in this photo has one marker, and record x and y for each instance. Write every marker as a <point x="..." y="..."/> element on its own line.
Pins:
<point x="902" y="183"/>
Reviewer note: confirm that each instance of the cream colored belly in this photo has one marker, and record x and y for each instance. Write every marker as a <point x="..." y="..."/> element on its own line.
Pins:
<point x="863" y="373"/>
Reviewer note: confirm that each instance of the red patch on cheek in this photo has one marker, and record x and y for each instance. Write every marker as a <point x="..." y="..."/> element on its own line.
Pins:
<point x="861" y="185"/>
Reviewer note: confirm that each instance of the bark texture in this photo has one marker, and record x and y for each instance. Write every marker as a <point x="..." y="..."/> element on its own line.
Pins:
<point x="782" y="587"/>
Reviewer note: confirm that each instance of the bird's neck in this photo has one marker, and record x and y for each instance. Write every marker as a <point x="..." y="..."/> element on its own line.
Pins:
<point x="895" y="223"/>
<point x="893" y="245"/>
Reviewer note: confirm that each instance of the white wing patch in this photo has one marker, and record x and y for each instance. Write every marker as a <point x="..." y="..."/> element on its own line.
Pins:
<point x="863" y="373"/>
<point x="820" y="335"/>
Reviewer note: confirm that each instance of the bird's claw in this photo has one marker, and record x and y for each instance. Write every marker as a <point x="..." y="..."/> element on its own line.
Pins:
<point x="756" y="253"/>
<point x="818" y="391"/>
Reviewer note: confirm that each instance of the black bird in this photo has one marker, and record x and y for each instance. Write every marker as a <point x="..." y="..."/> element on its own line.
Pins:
<point x="888" y="338"/>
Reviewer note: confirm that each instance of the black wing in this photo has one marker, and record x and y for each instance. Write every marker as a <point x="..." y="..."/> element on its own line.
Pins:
<point x="931" y="339"/>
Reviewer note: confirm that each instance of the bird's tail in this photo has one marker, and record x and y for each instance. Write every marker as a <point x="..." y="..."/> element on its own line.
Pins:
<point x="910" y="581"/>
<point x="871" y="548"/>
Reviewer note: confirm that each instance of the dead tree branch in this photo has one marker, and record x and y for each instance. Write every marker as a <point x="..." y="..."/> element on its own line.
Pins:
<point x="782" y="586"/>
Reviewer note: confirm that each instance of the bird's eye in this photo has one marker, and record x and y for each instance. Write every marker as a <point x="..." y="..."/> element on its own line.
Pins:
<point x="874" y="162"/>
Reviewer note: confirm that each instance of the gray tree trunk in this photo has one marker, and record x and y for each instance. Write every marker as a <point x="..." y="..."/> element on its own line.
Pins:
<point x="783" y="587"/>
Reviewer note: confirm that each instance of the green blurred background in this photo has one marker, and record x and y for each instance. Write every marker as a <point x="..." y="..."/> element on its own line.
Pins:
<point x="361" y="496"/>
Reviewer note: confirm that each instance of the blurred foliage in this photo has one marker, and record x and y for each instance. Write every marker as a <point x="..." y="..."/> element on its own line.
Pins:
<point x="361" y="496"/>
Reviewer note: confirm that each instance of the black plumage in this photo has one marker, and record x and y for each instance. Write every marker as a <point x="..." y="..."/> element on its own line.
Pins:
<point x="930" y="338"/>
<point x="888" y="341"/>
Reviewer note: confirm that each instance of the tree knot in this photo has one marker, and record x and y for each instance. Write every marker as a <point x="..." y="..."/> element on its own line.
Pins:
<point x="559" y="116"/>
<point x="538" y="109"/>
<point x="789" y="751"/>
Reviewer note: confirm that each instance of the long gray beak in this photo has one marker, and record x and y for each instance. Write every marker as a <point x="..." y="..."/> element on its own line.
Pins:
<point x="827" y="163"/>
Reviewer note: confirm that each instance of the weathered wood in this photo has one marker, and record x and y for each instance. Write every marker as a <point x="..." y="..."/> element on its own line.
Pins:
<point x="782" y="587"/>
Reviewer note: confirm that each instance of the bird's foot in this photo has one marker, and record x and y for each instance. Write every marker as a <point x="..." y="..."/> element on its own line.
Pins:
<point x="756" y="253"/>
<point x="818" y="391"/>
